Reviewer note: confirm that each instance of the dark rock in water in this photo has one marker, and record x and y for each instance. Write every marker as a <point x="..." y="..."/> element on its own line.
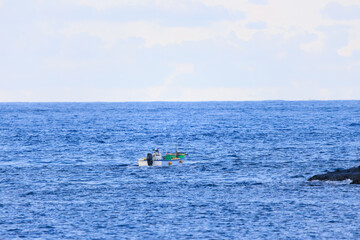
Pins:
<point x="356" y="181"/>
<point x="340" y="175"/>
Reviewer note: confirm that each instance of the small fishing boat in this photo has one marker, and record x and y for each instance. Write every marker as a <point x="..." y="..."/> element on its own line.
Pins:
<point x="156" y="159"/>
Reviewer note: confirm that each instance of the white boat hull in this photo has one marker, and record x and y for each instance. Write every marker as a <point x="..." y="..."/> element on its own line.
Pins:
<point x="160" y="163"/>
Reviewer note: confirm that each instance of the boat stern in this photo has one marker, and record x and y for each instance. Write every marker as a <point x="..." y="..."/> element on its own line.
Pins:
<point x="142" y="162"/>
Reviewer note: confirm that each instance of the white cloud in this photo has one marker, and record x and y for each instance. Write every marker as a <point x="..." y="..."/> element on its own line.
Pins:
<point x="103" y="5"/>
<point x="277" y="13"/>
<point x="106" y="4"/>
<point x="258" y="64"/>
<point x="66" y="64"/>
<point x="353" y="45"/>
<point x="293" y="18"/>
<point x="157" y="93"/>
<point x="1" y="3"/>
<point x="316" y="46"/>
<point x="280" y="17"/>
<point x="338" y="11"/>
<point x="155" y="33"/>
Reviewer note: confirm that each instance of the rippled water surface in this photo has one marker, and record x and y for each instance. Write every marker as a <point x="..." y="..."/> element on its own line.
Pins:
<point x="69" y="170"/>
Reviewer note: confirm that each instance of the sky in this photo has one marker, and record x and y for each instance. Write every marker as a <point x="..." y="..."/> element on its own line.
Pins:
<point x="179" y="50"/>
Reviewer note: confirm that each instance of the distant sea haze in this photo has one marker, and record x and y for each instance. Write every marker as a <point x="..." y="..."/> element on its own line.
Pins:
<point x="69" y="170"/>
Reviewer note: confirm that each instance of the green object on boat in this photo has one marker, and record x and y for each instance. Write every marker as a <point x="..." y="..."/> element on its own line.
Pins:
<point x="170" y="156"/>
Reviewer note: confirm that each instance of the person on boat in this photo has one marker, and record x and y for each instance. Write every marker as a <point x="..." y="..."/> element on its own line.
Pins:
<point x="156" y="154"/>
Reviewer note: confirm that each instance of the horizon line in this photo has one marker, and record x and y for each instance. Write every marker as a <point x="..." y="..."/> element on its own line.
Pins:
<point x="204" y="101"/>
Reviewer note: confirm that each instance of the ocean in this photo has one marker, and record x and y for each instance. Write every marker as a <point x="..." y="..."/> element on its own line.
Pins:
<point x="69" y="170"/>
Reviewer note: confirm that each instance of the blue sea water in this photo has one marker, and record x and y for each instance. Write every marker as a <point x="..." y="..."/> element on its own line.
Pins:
<point x="69" y="170"/>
